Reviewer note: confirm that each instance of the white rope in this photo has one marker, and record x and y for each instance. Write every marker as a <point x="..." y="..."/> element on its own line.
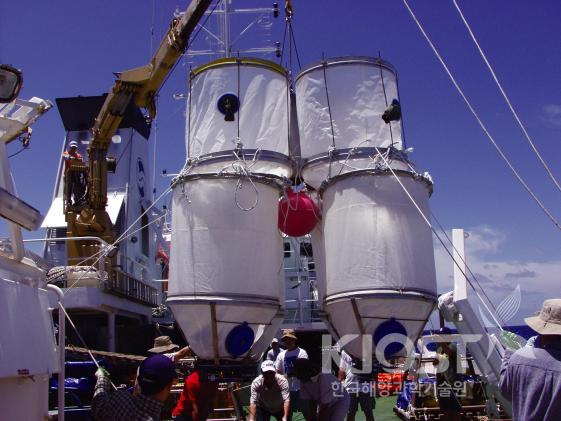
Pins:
<point x="242" y="168"/>
<point x="82" y="340"/>
<point x="351" y="151"/>
<point x="242" y="171"/>
<point x="122" y="237"/>
<point x="505" y="96"/>
<point x="497" y="147"/>
<point x="102" y="253"/>
<point x="438" y="237"/>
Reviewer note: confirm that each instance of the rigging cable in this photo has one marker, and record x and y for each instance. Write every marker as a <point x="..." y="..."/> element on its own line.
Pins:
<point x="288" y="29"/>
<point x="81" y="340"/>
<point x="122" y="237"/>
<point x="102" y="253"/>
<point x="294" y="42"/>
<point x="154" y="149"/>
<point x="17" y="153"/>
<point x="483" y="127"/>
<point x="385" y="97"/>
<point x="466" y="265"/>
<point x="193" y="38"/>
<point x="333" y="147"/>
<point x="283" y="43"/>
<point x="420" y="211"/>
<point x="505" y="96"/>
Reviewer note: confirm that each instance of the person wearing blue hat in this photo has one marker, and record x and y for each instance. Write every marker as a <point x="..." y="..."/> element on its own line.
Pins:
<point x="155" y="378"/>
<point x="75" y="181"/>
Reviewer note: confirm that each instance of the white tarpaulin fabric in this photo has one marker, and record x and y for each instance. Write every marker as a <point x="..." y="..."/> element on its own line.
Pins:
<point x="221" y="251"/>
<point x="378" y="256"/>
<point x="214" y="243"/>
<point x="194" y="318"/>
<point x="263" y="112"/>
<point x="374" y="236"/>
<point x="411" y="312"/>
<point x="359" y="92"/>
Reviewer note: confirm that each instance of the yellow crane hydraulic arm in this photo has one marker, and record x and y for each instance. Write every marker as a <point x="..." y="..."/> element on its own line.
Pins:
<point x="141" y="86"/>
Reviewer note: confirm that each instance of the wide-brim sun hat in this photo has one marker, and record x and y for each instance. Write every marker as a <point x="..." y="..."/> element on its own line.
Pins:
<point x="289" y="333"/>
<point x="548" y="320"/>
<point x="163" y="344"/>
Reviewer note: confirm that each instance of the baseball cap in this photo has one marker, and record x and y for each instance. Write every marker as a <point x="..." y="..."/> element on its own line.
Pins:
<point x="275" y="341"/>
<point x="267" y="365"/>
<point x="155" y="373"/>
<point x="72" y="144"/>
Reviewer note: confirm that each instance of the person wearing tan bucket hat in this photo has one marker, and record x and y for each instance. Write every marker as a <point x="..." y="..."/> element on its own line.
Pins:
<point x="531" y="375"/>
<point x="284" y="364"/>
<point x="164" y="345"/>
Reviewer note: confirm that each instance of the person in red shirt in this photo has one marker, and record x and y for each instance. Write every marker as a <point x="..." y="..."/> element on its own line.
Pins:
<point x="197" y="397"/>
<point x="76" y="180"/>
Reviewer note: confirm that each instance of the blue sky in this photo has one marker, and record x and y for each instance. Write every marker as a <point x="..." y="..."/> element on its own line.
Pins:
<point x="69" y="48"/>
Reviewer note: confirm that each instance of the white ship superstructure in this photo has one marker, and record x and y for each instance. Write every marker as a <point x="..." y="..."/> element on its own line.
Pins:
<point x="28" y="351"/>
<point x="111" y="312"/>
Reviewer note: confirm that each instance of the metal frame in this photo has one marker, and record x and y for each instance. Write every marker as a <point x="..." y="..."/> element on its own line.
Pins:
<point x="346" y="60"/>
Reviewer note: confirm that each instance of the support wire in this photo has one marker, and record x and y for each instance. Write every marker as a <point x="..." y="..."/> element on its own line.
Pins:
<point x="483" y="127"/>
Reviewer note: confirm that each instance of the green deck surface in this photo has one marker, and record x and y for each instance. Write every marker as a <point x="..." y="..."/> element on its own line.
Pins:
<point x="383" y="411"/>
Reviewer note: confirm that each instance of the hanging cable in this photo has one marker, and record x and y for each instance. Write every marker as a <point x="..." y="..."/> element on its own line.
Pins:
<point x="467" y="266"/>
<point x="332" y="148"/>
<point x="154" y="148"/>
<point x="123" y="236"/>
<point x="82" y="340"/>
<point x="239" y="63"/>
<point x="493" y="142"/>
<point x="189" y="152"/>
<point x="193" y="38"/>
<point x="283" y="42"/>
<point x="17" y="153"/>
<point x="288" y="29"/>
<point x="385" y="99"/>
<point x="295" y="46"/>
<point x="425" y="219"/>
<point x="102" y="253"/>
<point x="505" y="96"/>
<point x="125" y="148"/>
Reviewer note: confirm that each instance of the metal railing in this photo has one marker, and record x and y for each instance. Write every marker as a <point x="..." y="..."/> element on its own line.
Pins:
<point x="301" y="311"/>
<point x="119" y="282"/>
<point x="122" y="284"/>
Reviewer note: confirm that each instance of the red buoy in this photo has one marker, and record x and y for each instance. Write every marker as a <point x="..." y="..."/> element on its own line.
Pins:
<point x="298" y="214"/>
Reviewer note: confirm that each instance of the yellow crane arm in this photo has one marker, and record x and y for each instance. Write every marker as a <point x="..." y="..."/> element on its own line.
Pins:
<point x="141" y="86"/>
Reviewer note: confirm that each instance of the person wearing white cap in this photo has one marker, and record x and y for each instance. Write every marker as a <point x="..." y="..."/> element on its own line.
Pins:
<point x="531" y="376"/>
<point x="270" y="395"/>
<point x="274" y="351"/>
<point x="75" y="181"/>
